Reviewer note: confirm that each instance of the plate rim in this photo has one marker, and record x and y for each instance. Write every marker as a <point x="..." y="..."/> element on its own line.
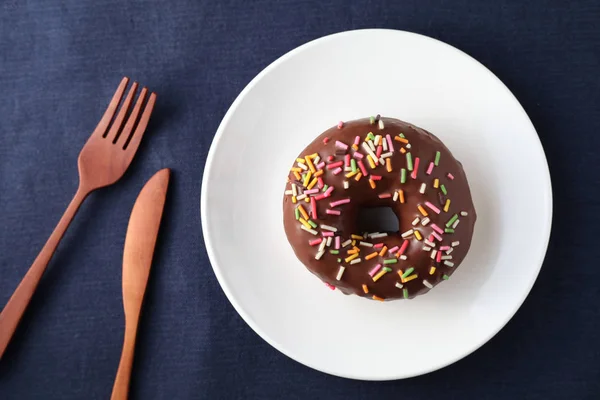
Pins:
<point x="205" y="187"/>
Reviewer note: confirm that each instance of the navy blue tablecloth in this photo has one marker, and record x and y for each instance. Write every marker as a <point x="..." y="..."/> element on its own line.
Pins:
<point x="60" y="61"/>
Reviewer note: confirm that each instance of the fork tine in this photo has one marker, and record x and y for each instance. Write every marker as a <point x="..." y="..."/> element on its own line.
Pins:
<point x="112" y="107"/>
<point x="118" y="122"/>
<point x="126" y="132"/>
<point x="136" y="138"/>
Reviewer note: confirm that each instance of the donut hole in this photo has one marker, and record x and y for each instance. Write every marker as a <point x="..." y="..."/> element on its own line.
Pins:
<point x="377" y="219"/>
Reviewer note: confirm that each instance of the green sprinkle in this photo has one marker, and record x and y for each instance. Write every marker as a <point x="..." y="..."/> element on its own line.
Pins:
<point x="409" y="161"/>
<point x="353" y="165"/>
<point x="402" y="175"/>
<point x="325" y="186"/>
<point x="311" y="223"/>
<point x="445" y="277"/>
<point x="449" y="230"/>
<point x="370" y="136"/>
<point x="443" y="189"/>
<point x="387" y="269"/>
<point x="339" y="260"/>
<point x="303" y="176"/>
<point x="407" y="272"/>
<point x="390" y="261"/>
<point x="402" y="135"/>
<point x="334" y="251"/>
<point x="405" y="293"/>
<point x="297" y="212"/>
<point x="451" y="221"/>
<point x="437" y="158"/>
<point x="372" y="120"/>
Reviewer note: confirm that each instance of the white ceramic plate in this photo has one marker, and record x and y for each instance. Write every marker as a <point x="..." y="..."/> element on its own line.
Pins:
<point x="352" y="75"/>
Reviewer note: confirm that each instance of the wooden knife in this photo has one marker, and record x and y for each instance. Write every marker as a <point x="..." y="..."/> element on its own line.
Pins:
<point x="137" y="258"/>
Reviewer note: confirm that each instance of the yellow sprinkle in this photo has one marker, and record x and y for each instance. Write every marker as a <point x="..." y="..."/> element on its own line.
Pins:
<point x="410" y="278"/>
<point x="372" y="255"/>
<point x="353" y="251"/>
<point x="306" y="224"/>
<point x="401" y="194"/>
<point x="294" y="200"/>
<point x="379" y="275"/>
<point x="313" y="155"/>
<point x="351" y="174"/>
<point x="355" y="147"/>
<point x="307" y="178"/>
<point x="365" y="288"/>
<point x="297" y="175"/>
<point x="436" y="183"/>
<point x="303" y="211"/>
<point x="300" y="160"/>
<point x="402" y="150"/>
<point x="382" y="252"/>
<point x="310" y="165"/>
<point x="372" y="183"/>
<point x="388" y="164"/>
<point x="447" y="206"/>
<point x="422" y="210"/>
<point x="307" y="200"/>
<point x="353" y="242"/>
<point x="431" y="270"/>
<point x="378" y="298"/>
<point x="296" y="169"/>
<point x="358" y="176"/>
<point x="371" y="162"/>
<point x="352" y="257"/>
<point x="356" y="237"/>
<point x="401" y="140"/>
<point x="318" y="173"/>
<point x="312" y="183"/>
<point x="418" y="235"/>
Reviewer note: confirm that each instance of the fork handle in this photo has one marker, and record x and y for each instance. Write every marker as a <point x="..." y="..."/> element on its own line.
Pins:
<point x="17" y="304"/>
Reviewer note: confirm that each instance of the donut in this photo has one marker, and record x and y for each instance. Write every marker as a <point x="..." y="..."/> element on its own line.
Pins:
<point x="378" y="162"/>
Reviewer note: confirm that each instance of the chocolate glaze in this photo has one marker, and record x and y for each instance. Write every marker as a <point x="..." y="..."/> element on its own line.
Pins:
<point x="423" y="145"/>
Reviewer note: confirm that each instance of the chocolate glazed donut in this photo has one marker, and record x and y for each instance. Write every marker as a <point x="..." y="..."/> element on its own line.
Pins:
<point x="379" y="162"/>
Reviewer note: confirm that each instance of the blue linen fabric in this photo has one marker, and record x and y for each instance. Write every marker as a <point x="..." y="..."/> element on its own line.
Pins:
<point x="60" y="62"/>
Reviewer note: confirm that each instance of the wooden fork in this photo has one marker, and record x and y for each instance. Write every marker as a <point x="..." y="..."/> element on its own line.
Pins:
<point x="102" y="161"/>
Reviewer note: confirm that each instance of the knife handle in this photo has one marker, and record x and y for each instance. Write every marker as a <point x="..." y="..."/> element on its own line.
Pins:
<point x="121" y="385"/>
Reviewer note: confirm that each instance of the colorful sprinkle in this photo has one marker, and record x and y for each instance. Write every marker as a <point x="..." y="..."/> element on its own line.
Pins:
<point x="390" y="261"/>
<point x="427" y="284"/>
<point x="437" y="158"/>
<point x="447" y="205"/>
<point x="450" y="176"/>
<point x="372" y="183"/>
<point x="430" y="168"/>
<point x="407" y="272"/>
<point x="402" y="175"/>
<point x="350" y="258"/>
<point x="464" y="213"/>
<point x="422" y="210"/>
<point x="370" y="256"/>
<point x="436" y="183"/>
<point x="405" y="293"/>
<point x="416" y="168"/>
<point x="355" y="261"/>
<point x="409" y="161"/>
<point x="445" y="277"/>
<point x="329" y="228"/>
<point x="340" y="273"/>
<point x="410" y="278"/>
<point x="451" y="221"/>
<point x="381" y="124"/>
<point x="418" y="235"/>
<point x="339" y="202"/>
<point x="340" y="145"/>
<point x="340" y="126"/>
<point x="399" y="285"/>
<point x="444" y="189"/>
<point x="401" y="194"/>
<point x="431" y="270"/>
<point x="432" y="207"/>
<point x="422" y="188"/>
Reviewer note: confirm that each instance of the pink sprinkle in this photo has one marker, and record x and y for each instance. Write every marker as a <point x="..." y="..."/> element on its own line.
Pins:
<point x="358" y="155"/>
<point x="335" y="165"/>
<point x="374" y="270"/>
<point x="340" y="124"/>
<point x="450" y="176"/>
<point x="332" y="212"/>
<point x="311" y="191"/>
<point x="437" y="236"/>
<point x="337" y="242"/>
<point x="328" y="191"/>
<point x="357" y="140"/>
<point x="393" y="249"/>
<point x="375" y="177"/>
<point x="325" y="140"/>
<point x="416" y="167"/>
<point x="431" y="238"/>
<point x="319" y="197"/>
<point x="315" y="242"/>
<point x="320" y="183"/>
<point x="378" y="245"/>
<point x="347" y="158"/>
<point x="390" y="143"/>
<point x="336" y="171"/>
<point x="362" y="168"/>
<point x="327" y="233"/>
<point x="385" y="196"/>
<point x="438" y="257"/>
<point x="313" y="206"/>
<point x="339" y="202"/>
<point x="320" y="165"/>
<point x="437" y="228"/>
<point x="330" y="286"/>
<point x="430" y="168"/>
<point x="444" y="248"/>
<point x="433" y="208"/>
<point x="341" y="145"/>
<point x="403" y="247"/>
<point x="330" y="158"/>
<point x="379" y="151"/>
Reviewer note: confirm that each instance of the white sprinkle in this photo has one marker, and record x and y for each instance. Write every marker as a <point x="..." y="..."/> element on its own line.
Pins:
<point x="381" y="124"/>
<point x="450" y="250"/>
<point x="329" y="239"/>
<point x="381" y="160"/>
<point x="426" y="248"/>
<point x="385" y="148"/>
<point x="347" y="169"/>
<point x="322" y="245"/>
<point x="455" y="224"/>
<point x="403" y="257"/>
<point x="377" y="235"/>
<point x="449" y="263"/>
<point x="387" y="155"/>
<point x="408" y="146"/>
<point x="454" y="244"/>
<point x="294" y="189"/>
<point x="429" y="285"/>
<point x="347" y="242"/>
<point x="433" y="253"/>
<point x="340" y="273"/>
<point x="301" y="197"/>
<point x="408" y="233"/>
<point x="464" y="213"/>
<point x="415" y="221"/>
<point x="446" y="257"/>
<point x="425" y="221"/>
<point x="316" y="160"/>
<point x="355" y="261"/>
<point x="422" y="189"/>
<point x="304" y="167"/>
<point x="378" y="139"/>
<point x="372" y="146"/>
<point x="346" y="185"/>
<point x="369" y="151"/>
<point x="366" y="244"/>
<point x="288" y="192"/>
<point x="311" y="231"/>
<point x="399" y="285"/>
<point x="395" y="196"/>
<point x="329" y="228"/>
<point x="319" y="255"/>
<point x="428" y="243"/>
